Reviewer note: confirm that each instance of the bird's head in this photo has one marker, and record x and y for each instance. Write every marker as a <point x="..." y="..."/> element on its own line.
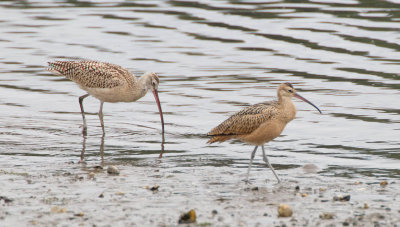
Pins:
<point x="151" y="82"/>
<point x="287" y="90"/>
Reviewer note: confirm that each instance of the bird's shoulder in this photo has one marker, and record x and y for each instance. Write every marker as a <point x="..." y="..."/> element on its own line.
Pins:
<point x="93" y="74"/>
<point x="269" y="108"/>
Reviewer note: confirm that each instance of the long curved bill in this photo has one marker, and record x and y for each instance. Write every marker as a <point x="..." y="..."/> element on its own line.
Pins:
<point x="155" y="93"/>
<point x="305" y="100"/>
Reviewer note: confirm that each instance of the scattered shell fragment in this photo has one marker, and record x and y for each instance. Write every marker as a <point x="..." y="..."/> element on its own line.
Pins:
<point x="189" y="217"/>
<point x="58" y="210"/>
<point x="366" y="206"/>
<point x="383" y="183"/>
<point x="303" y="194"/>
<point x="120" y="193"/>
<point x="326" y="216"/>
<point x="112" y="170"/>
<point x="284" y="210"/>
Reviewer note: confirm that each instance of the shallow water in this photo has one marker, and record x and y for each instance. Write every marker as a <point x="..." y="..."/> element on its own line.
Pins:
<point x="213" y="58"/>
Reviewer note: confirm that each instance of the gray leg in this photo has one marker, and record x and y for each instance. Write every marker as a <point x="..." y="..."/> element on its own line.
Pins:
<point x="101" y="116"/>
<point x="84" y="130"/>
<point x="251" y="162"/>
<point x="270" y="166"/>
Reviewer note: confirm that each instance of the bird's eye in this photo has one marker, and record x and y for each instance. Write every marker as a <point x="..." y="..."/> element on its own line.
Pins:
<point x="290" y="90"/>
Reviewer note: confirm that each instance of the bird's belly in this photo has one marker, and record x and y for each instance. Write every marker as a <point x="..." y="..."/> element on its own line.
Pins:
<point x="265" y="133"/>
<point x="111" y="94"/>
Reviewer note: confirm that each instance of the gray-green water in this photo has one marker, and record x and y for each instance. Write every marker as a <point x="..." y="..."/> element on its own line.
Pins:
<point x="213" y="58"/>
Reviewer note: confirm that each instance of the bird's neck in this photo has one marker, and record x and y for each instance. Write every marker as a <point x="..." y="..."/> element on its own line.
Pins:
<point x="137" y="90"/>
<point x="289" y="110"/>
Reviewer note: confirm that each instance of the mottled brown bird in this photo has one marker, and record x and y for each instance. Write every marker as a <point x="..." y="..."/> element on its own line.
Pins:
<point x="108" y="83"/>
<point x="260" y="123"/>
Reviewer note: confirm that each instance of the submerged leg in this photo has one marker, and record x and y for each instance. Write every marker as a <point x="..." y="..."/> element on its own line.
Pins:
<point x="84" y="130"/>
<point x="251" y="162"/>
<point x="270" y="166"/>
<point x="101" y="116"/>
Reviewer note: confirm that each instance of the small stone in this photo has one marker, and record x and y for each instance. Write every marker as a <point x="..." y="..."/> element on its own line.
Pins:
<point x="91" y="175"/>
<point x="189" y="217"/>
<point x="366" y="206"/>
<point x="120" y="193"/>
<point x="80" y="214"/>
<point x="284" y="210"/>
<point x="154" y="188"/>
<point x="341" y="198"/>
<point x="265" y="214"/>
<point x="5" y="199"/>
<point x="214" y="212"/>
<point x="326" y="216"/>
<point x="303" y="194"/>
<point x="101" y="195"/>
<point x="357" y="183"/>
<point x="112" y="170"/>
<point x="254" y="188"/>
<point x="383" y="183"/>
<point x="297" y="188"/>
<point x="346" y="223"/>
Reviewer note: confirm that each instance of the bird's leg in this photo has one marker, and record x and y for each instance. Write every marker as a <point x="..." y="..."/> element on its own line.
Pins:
<point x="270" y="166"/>
<point x="250" y="163"/>
<point x="84" y="130"/>
<point x="101" y="117"/>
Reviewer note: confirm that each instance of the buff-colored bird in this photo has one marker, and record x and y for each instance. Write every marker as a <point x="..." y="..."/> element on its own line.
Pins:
<point x="260" y="123"/>
<point x="108" y="83"/>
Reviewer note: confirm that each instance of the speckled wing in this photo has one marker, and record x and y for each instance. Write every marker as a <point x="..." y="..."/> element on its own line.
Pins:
<point x="244" y="121"/>
<point x="92" y="74"/>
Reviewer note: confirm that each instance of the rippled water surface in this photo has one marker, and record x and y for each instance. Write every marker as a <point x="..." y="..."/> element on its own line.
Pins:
<point x="213" y="58"/>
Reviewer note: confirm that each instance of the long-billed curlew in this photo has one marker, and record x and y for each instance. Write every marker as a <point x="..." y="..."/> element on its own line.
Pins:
<point x="108" y="83"/>
<point x="260" y="123"/>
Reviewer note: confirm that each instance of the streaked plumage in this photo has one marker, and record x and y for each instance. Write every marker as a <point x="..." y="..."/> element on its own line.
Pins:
<point x="259" y="123"/>
<point x="108" y="83"/>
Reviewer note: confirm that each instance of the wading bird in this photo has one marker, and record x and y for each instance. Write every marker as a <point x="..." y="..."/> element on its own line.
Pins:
<point x="108" y="83"/>
<point x="260" y="123"/>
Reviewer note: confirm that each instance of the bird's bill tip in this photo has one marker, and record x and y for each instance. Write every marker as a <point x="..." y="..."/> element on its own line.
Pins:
<point x="305" y="100"/>
<point x="155" y="93"/>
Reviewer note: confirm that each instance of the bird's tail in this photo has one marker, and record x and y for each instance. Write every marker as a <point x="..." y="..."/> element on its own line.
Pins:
<point x="220" y="139"/>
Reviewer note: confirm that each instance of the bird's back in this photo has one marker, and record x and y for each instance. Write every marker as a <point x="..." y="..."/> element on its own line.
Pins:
<point x="93" y="74"/>
<point x="244" y="122"/>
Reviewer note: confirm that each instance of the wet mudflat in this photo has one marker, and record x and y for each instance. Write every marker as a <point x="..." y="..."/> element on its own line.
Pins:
<point x="74" y="194"/>
<point x="213" y="58"/>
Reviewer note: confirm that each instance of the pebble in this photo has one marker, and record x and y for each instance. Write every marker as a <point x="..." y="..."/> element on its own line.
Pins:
<point x="383" y="183"/>
<point x="91" y="175"/>
<point x="303" y="194"/>
<point x="112" y="170"/>
<point x="189" y="217"/>
<point x="154" y="188"/>
<point x="284" y="210"/>
<point x="326" y="216"/>
<point x="366" y="206"/>
<point x="341" y="198"/>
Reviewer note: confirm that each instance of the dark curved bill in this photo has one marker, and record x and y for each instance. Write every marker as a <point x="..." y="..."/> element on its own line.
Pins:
<point x="155" y="93"/>
<point x="305" y="100"/>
